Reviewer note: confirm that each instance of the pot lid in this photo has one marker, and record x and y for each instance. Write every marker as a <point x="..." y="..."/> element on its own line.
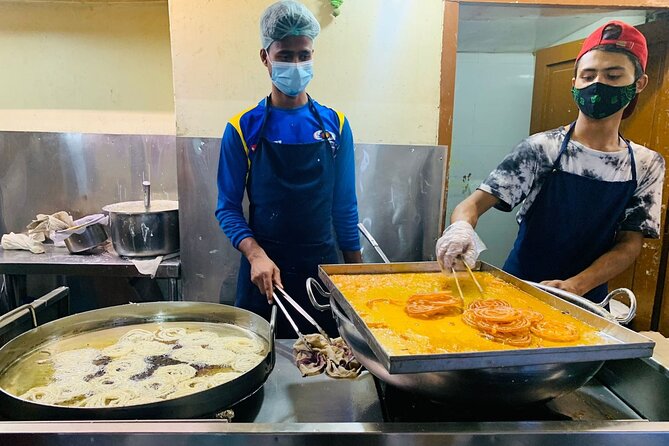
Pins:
<point x="137" y="207"/>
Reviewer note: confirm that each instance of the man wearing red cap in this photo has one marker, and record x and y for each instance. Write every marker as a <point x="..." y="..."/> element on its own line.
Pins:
<point x="588" y="196"/>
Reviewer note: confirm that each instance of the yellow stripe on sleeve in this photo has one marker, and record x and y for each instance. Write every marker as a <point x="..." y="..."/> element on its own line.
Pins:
<point x="235" y="122"/>
<point x="342" y="118"/>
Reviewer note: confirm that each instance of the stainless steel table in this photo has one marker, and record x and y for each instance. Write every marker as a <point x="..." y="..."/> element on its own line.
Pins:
<point x="16" y="265"/>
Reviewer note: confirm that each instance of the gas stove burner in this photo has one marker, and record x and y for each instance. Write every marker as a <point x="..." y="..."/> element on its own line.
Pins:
<point x="401" y="406"/>
<point x="591" y="402"/>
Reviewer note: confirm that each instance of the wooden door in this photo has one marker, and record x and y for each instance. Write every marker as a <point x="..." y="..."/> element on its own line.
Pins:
<point x="553" y="106"/>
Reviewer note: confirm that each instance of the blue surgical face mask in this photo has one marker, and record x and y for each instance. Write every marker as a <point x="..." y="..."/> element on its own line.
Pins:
<point x="292" y="78"/>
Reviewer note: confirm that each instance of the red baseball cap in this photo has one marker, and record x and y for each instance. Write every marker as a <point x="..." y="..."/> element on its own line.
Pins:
<point x="629" y="38"/>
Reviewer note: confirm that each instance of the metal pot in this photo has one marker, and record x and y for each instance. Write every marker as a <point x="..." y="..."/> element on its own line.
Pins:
<point x="199" y="404"/>
<point x="94" y="235"/>
<point x="139" y="231"/>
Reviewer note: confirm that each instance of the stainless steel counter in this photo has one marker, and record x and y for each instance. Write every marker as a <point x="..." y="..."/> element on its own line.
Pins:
<point x="323" y="411"/>
<point x="290" y="398"/>
<point x="16" y="265"/>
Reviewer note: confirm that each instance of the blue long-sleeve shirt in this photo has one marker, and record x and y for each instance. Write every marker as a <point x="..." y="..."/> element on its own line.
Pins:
<point x="289" y="126"/>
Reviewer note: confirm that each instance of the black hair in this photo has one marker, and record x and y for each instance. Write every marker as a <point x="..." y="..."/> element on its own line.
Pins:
<point x="613" y="32"/>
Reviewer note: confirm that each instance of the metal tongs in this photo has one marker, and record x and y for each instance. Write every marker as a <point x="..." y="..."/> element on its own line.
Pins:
<point x="471" y="274"/>
<point x="300" y="310"/>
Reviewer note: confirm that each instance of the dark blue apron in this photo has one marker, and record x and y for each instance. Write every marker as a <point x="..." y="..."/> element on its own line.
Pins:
<point x="572" y="222"/>
<point x="290" y="189"/>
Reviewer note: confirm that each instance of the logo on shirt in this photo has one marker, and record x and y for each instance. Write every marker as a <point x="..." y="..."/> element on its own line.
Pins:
<point x="320" y="135"/>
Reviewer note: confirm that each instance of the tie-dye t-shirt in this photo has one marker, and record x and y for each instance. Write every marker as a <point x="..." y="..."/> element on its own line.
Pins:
<point x="520" y="175"/>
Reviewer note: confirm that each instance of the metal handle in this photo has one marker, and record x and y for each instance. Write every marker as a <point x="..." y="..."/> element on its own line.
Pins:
<point x="313" y="282"/>
<point x="591" y="306"/>
<point x="20" y="309"/>
<point x="627" y="318"/>
<point x="272" y="338"/>
<point x="146" y="185"/>
<point x="373" y="242"/>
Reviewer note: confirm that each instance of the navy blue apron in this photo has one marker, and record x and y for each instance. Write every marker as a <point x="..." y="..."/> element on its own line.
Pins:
<point x="572" y="222"/>
<point x="290" y="189"/>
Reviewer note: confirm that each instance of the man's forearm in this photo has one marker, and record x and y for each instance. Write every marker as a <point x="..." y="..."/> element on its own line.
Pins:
<point x="472" y="207"/>
<point x="250" y="248"/>
<point x="610" y="264"/>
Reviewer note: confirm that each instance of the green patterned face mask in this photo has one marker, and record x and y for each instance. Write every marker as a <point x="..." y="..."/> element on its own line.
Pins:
<point x="600" y="100"/>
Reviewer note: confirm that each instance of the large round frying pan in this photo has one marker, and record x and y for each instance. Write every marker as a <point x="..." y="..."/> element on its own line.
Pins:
<point x="196" y="405"/>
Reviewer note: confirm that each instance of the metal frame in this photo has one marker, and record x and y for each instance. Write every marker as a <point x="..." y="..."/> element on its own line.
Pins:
<point x="210" y="432"/>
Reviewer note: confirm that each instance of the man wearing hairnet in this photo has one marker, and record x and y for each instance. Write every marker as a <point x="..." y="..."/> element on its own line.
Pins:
<point x="294" y="158"/>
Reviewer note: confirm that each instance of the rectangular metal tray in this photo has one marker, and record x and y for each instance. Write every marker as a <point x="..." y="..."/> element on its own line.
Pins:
<point x="626" y="343"/>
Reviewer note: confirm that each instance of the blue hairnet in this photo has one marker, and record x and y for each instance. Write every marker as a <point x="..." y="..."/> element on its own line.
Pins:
<point x="287" y="18"/>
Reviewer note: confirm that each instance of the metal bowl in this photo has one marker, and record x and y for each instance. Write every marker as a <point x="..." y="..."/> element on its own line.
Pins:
<point x="139" y="232"/>
<point x="497" y="386"/>
<point x="94" y="235"/>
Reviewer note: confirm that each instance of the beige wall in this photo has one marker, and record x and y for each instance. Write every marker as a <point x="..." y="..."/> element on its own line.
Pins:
<point x="378" y="62"/>
<point x="86" y="67"/>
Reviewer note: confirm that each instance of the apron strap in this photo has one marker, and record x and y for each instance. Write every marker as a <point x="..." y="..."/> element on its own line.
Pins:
<point x="567" y="138"/>
<point x="312" y="107"/>
<point x="563" y="147"/>
<point x="268" y="105"/>
<point x="632" y="161"/>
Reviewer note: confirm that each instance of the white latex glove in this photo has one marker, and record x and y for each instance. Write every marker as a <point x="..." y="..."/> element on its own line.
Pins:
<point x="459" y="240"/>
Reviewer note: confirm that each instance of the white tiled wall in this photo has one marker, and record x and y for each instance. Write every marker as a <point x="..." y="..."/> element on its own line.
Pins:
<point x="493" y="100"/>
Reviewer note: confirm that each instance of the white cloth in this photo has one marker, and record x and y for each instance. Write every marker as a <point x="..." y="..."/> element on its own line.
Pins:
<point x="21" y="241"/>
<point x="150" y="266"/>
<point x="44" y="225"/>
<point x="458" y="240"/>
<point x="147" y="266"/>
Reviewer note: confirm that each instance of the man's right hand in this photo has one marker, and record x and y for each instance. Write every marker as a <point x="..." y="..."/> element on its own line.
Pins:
<point x="264" y="272"/>
<point x="458" y="240"/>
